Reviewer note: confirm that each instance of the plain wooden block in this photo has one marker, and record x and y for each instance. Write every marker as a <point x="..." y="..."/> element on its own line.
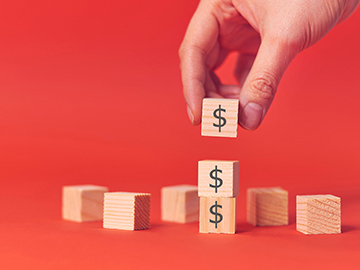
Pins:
<point x="220" y="117"/>
<point x="127" y="210"/>
<point x="180" y="203"/>
<point x="218" y="178"/>
<point x="217" y="215"/>
<point x="83" y="203"/>
<point x="318" y="214"/>
<point x="267" y="206"/>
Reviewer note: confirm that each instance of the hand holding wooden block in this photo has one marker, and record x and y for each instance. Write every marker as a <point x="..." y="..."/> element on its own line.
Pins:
<point x="267" y="206"/>
<point x="218" y="178"/>
<point x="217" y="215"/>
<point x="180" y="203"/>
<point x="219" y="117"/>
<point x="83" y="203"/>
<point x="127" y="210"/>
<point x="318" y="214"/>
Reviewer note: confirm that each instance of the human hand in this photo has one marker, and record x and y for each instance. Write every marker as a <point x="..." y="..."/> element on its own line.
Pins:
<point x="266" y="34"/>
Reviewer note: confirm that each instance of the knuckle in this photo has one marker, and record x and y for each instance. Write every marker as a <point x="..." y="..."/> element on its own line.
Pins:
<point x="263" y="88"/>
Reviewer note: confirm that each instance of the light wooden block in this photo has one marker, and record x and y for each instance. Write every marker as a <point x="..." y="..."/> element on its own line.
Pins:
<point x="220" y="117"/>
<point x="267" y="206"/>
<point x="218" y="178"/>
<point x="180" y="203"/>
<point x="318" y="214"/>
<point x="217" y="215"/>
<point x="83" y="203"/>
<point x="127" y="210"/>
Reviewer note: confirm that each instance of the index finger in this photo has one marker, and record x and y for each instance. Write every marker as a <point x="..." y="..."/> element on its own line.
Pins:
<point x="200" y="38"/>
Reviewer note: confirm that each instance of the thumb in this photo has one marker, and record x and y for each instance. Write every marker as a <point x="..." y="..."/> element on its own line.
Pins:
<point x="261" y="84"/>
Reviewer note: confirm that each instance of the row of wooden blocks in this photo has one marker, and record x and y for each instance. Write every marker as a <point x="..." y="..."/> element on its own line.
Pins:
<point x="315" y="214"/>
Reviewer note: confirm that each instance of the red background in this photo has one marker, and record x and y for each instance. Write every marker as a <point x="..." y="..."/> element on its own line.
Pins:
<point x="90" y="93"/>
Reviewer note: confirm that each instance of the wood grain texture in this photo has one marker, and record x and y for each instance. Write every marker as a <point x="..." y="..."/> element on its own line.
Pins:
<point x="231" y="107"/>
<point x="226" y="208"/>
<point x="267" y="206"/>
<point x="227" y="171"/>
<point x="180" y="203"/>
<point x="318" y="214"/>
<point x="83" y="203"/>
<point x="127" y="210"/>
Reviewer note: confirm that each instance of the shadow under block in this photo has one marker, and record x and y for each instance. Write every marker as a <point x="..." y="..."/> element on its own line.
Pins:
<point x="267" y="206"/>
<point x="83" y="203"/>
<point x="127" y="210"/>
<point x="217" y="215"/>
<point x="220" y="117"/>
<point x="318" y="214"/>
<point x="180" y="203"/>
<point x="218" y="178"/>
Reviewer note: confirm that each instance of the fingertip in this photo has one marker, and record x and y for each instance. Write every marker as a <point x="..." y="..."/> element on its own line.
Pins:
<point x="190" y="114"/>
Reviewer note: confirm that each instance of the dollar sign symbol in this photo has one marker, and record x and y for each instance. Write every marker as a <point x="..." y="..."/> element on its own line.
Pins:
<point x="221" y="124"/>
<point x="216" y="178"/>
<point x="216" y="214"/>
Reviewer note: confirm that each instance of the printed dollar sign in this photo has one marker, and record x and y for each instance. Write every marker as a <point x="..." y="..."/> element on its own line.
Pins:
<point x="216" y="214"/>
<point x="216" y="178"/>
<point x="221" y="124"/>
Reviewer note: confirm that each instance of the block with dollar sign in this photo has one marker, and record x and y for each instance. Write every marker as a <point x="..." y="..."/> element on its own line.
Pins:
<point x="218" y="178"/>
<point x="220" y="117"/>
<point x="217" y="215"/>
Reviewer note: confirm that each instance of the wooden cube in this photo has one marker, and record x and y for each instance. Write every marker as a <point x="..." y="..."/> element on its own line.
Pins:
<point x="217" y="215"/>
<point x="220" y="117"/>
<point x="318" y="214"/>
<point x="127" y="210"/>
<point x="218" y="178"/>
<point x="180" y="203"/>
<point x="267" y="206"/>
<point x="83" y="203"/>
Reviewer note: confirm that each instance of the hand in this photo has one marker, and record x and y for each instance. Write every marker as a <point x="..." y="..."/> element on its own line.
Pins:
<point x="267" y="34"/>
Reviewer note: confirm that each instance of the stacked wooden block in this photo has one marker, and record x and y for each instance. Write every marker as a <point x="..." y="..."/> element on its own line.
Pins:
<point x="218" y="184"/>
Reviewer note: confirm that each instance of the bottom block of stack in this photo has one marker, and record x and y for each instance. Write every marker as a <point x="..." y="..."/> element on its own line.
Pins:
<point x="318" y="214"/>
<point x="217" y="215"/>
<point x="127" y="210"/>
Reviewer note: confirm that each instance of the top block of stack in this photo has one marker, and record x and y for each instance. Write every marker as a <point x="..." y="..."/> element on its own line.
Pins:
<point x="220" y="117"/>
<point x="218" y="178"/>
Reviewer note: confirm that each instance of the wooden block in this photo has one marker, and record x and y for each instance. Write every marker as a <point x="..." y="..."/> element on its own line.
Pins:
<point x="83" y="203"/>
<point x="218" y="178"/>
<point x="180" y="203"/>
<point x="217" y="215"/>
<point x="220" y="117"/>
<point x="127" y="210"/>
<point x="267" y="206"/>
<point x="318" y="214"/>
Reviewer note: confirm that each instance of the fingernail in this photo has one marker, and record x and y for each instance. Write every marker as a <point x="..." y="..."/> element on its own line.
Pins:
<point x="191" y="116"/>
<point x="251" y="116"/>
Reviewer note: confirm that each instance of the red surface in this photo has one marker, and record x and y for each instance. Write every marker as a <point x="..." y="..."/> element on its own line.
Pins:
<point x="90" y="93"/>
